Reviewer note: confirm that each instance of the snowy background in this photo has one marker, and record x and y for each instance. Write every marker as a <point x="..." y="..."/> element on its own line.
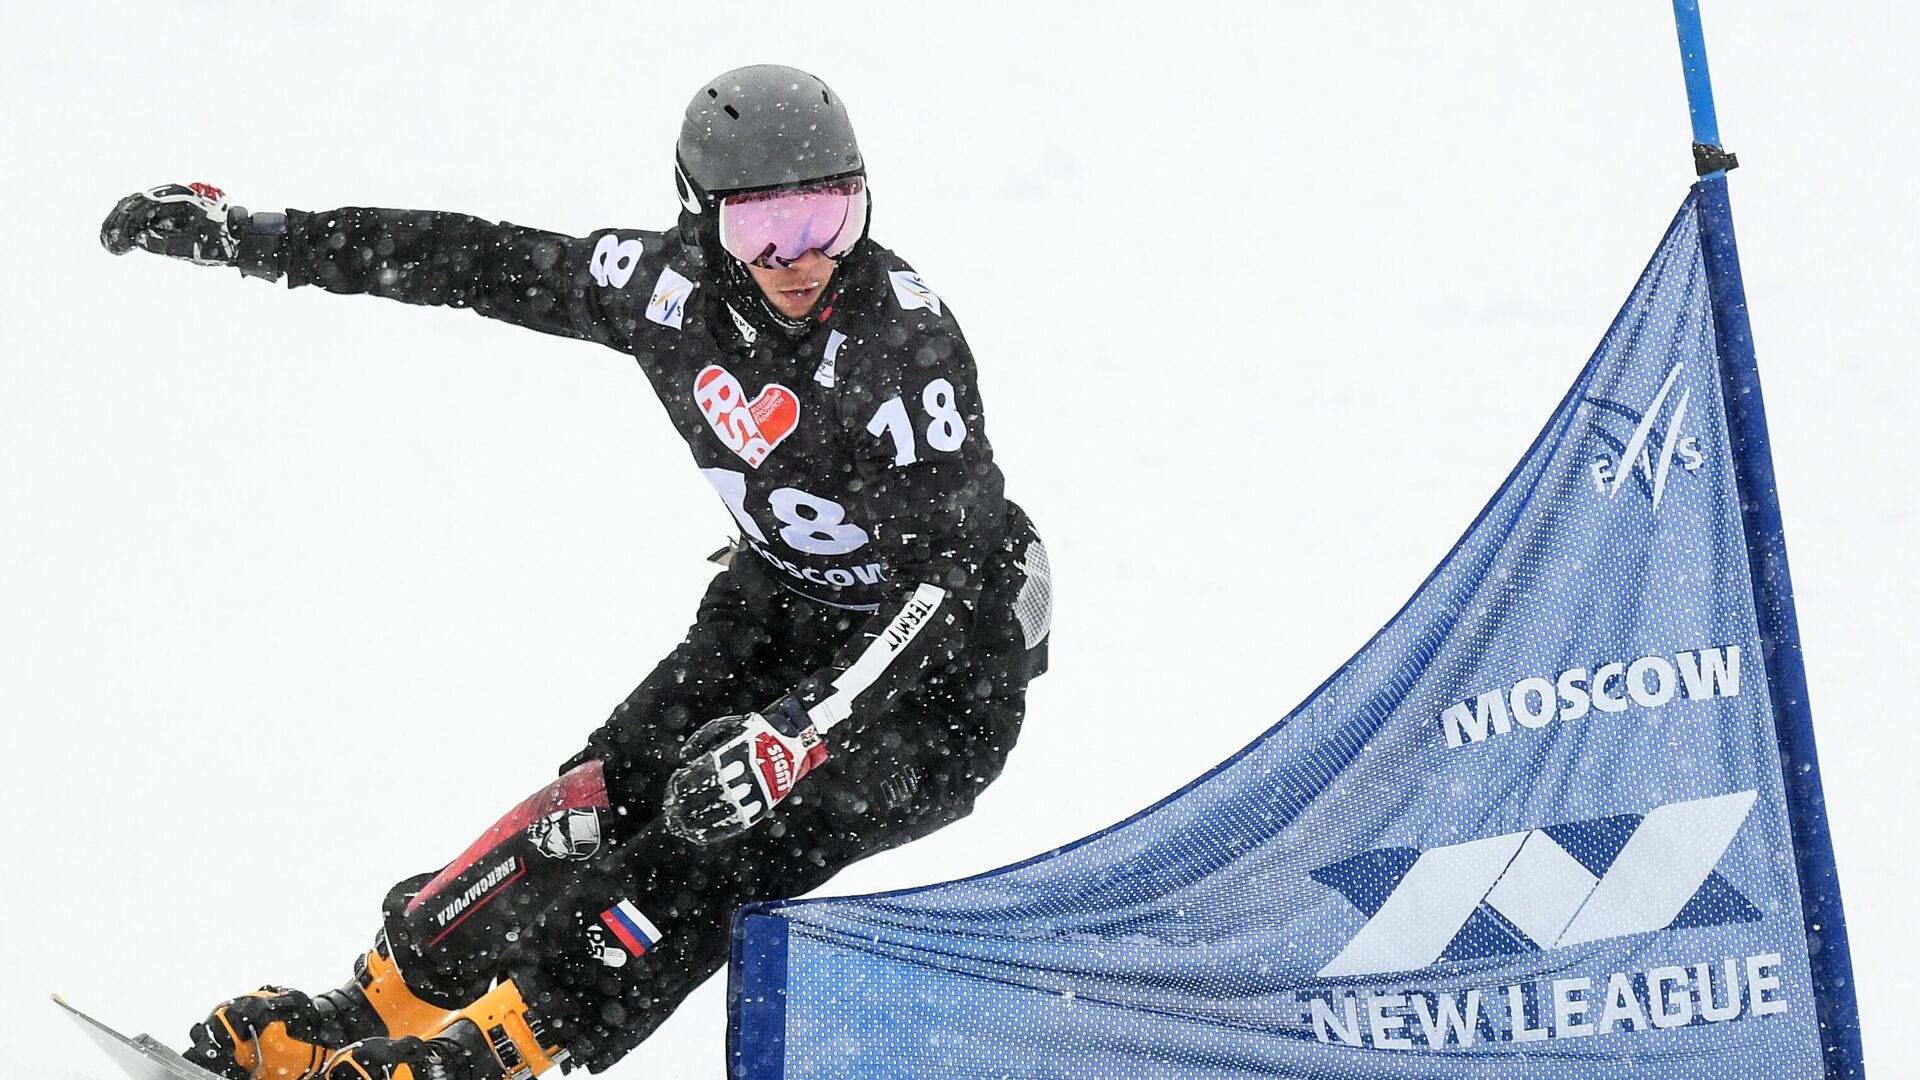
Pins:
<point x="298" y="592"/>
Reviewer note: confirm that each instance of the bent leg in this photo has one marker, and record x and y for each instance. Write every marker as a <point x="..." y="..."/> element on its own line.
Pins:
<point x="732" y="660"/>
<point x="606" y="988"/>
<point x="449" y="930"/>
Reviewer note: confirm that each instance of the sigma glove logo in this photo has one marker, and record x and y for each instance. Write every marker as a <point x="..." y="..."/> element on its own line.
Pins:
<point x="1541" y="889"/>
<point x="775" y="762"/>
<point x="1651" y="449"/>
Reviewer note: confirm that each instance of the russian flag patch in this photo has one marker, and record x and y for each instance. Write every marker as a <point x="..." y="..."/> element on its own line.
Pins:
<point x="632" y="928"/>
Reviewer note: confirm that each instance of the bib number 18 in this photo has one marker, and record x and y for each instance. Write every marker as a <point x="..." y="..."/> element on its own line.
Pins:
<point x="946" y="428"/>
<point x="808" y="523"/>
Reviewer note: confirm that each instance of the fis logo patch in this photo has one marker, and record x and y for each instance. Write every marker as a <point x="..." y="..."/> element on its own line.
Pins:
<point x="912" y="292"/>
<point x="1541" y="889"/>
<point x="1650" y="451"/>
<point x="668" y="304"/>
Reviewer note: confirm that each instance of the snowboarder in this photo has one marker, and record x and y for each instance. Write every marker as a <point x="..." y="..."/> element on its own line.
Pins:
<point x="854" y="676"/>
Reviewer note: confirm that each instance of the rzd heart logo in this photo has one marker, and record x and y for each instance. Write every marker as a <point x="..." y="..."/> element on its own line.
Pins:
<point x="749" y="428"/>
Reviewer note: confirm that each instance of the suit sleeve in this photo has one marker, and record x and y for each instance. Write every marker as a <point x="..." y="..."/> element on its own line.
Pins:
<point x="938" y="504"/>
<point x="546" y="281"/>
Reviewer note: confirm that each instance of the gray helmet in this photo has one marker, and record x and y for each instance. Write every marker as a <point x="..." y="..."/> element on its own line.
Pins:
<point x="765" y="126"/>
<point x="756" y="127"/>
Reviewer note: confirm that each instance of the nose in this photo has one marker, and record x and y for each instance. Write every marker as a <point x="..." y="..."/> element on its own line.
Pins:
<point x="810" y="261"/>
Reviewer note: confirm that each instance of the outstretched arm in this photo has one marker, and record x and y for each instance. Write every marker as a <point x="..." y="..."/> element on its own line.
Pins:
<point x="542" y="280"/>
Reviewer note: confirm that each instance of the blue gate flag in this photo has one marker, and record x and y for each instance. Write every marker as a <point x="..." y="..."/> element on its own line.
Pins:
<point x="1561" y="817"/>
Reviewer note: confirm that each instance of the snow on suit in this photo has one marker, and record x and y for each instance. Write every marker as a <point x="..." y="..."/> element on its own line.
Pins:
<point x="881" y="577"/>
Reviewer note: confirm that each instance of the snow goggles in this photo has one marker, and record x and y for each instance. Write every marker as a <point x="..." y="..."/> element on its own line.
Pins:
<point x="774" y="228"/>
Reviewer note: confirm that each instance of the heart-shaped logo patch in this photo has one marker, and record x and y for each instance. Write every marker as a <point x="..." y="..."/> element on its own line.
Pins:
<point x="749" y="428"/>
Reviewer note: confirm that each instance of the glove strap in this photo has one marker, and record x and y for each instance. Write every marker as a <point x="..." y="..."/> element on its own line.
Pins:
<point x="789" y="717"/>
<point x="262" y="250"/>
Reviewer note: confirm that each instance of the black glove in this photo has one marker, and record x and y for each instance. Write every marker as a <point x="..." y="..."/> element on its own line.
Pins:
<point x="737" y="768"/>
<point x="195" y="222"/>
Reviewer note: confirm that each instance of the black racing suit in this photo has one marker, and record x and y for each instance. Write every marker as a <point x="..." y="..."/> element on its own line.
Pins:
<point x="881" y="576"/>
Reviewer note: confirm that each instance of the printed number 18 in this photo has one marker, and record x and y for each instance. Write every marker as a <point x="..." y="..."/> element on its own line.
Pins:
<point x="946" y="428"/>
<point x="808" y="522"/>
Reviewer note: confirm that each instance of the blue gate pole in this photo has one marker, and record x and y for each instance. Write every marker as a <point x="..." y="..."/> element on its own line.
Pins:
<point x="1693" y="56"/>
<point x="1829" y="952"/>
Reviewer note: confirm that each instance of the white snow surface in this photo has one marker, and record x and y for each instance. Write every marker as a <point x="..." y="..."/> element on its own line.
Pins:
<point x="297" y="592"/>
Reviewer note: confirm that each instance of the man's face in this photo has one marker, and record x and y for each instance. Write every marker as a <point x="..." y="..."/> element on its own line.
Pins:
<point x="792" y="290"/>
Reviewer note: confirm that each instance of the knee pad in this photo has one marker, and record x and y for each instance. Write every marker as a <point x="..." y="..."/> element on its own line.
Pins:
<point x="451" y="930"/>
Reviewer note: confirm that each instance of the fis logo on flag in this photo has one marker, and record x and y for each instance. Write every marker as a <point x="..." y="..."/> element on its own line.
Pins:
<point x="1651" y="449"/>
<point x="1541" y="889"/>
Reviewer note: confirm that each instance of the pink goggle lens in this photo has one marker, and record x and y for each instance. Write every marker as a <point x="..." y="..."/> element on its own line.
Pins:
<point x="768" y="227"/>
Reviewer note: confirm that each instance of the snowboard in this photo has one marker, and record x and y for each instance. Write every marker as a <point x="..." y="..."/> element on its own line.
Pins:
<point x="141" y="1057"/>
